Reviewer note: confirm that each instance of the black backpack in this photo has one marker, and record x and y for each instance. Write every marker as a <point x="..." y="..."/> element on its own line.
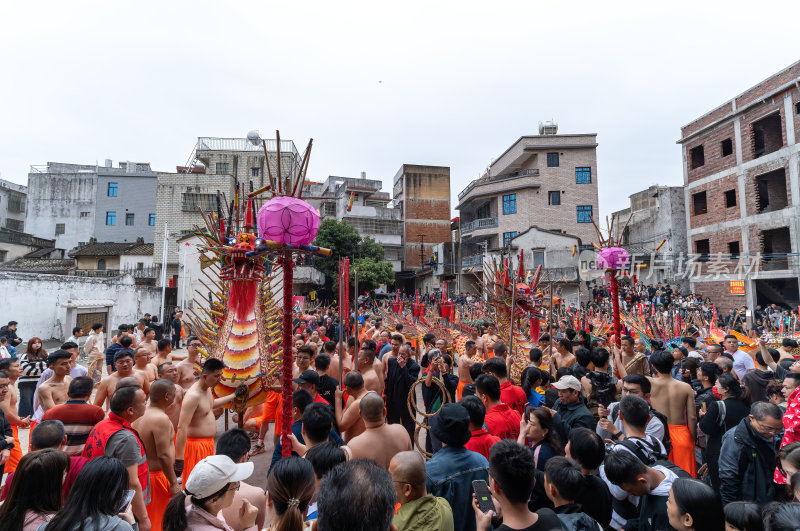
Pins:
<point x="578" y="522"/>
<point x="657" y="458"/>
<point x="604" y="387"/>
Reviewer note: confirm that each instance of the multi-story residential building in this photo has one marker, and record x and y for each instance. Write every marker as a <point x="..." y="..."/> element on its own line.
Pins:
<point x="742" y="192"/>
<point x="422" y="193"/>
<point x="12" y="205"/>
<point x="547" y="180"/>
<point x="76" y="202"/>
<point x="371" y="213"/>
<point x="215" y="165"/>
<point x="656" y="214"/>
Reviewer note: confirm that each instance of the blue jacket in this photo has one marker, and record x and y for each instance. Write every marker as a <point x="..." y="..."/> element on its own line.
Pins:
<point x="450" y="473"/>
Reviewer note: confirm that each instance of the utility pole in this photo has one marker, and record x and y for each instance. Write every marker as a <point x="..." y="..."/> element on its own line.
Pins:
<point x="164" y="272"/>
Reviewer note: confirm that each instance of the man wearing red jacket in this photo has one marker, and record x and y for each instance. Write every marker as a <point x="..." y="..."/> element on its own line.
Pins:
<point x="510" y="394"/>
<point x="115" y="437"/>
<point x="481" y="440"/>
<point x="500" y="420"/>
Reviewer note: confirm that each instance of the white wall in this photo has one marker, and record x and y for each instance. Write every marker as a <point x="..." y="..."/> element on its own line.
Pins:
<point x="129" y="261"/>
<point x="36" y="301"/>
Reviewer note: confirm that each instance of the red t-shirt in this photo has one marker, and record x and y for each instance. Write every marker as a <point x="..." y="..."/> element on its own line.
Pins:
<point x="503" y="422"/>
<point x="481" y="442"/>
<point x="514" y="396"/>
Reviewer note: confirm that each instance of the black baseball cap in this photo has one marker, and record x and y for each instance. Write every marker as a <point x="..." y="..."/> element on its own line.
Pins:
<point x="308" y="377"/>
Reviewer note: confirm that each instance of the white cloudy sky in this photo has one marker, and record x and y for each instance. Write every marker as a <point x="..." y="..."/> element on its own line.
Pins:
<point x="378" y="84"/>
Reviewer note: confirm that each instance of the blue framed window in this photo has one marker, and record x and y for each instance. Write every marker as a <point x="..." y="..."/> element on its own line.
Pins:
<point x="584" y="213"/>
<point x="111" y="218"/>
<point x="152" y="220"/>
<point x="510" y="204"/>
<point x="583" y="175"/>
<point x="508" y="236"/>
<point x="552" y="160"/>
<point x="113" y="189"/>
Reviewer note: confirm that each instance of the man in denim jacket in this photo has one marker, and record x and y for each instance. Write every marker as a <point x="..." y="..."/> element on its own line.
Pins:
<point x="451" y="470"/>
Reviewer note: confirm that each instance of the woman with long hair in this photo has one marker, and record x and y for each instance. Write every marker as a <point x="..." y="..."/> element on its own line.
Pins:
<point x="35" y="493"/>
<point x="290" y="487"/>
<point x="95" y="499"/>
<point x="743" y="516"/>
<point x="694" y="505"/>
<point x="721" y="416"/>
<point x="210" y="488"/>
<point x="537" y="431"/>
<point x="33" y="363"/>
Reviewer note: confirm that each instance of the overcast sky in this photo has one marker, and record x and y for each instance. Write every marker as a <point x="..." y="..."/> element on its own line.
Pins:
<point x="378" y="84"/>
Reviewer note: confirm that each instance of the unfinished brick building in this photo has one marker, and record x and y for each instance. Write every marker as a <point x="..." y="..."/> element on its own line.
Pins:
<point x="740" y="169"/>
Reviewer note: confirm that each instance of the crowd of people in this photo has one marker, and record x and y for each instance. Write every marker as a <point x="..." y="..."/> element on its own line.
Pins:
<point x="593" y="436"/>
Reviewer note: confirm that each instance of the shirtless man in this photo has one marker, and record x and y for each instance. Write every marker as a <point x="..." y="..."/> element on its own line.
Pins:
<point x="349" y="419"/>
<point x="156" y="432"/>
<point x="123" y="360"/>
<point x="627" y="360"/>
<point x="189" y="369"/>
<point x="380" y="441"/>
<point x="396" y="342"/>
<point x="464" y="363"/>
<point x="197" y="424"/>
<point x="169" y="371"/>
<point x="163" y="353"/>
<point x="373" y="381"/>
<point x="8" y="404"/>
<point x="489" y="339"/>
<point x="563" y="357"/>
<point x="349" y="348"/>
<point x="141" y="363"/>
<point x="480" y="344"/>
<point x="53" y="391"/>
<point x="547" y="351"/>
<point x="149" y="341"/>
<point x="675" y="399"/>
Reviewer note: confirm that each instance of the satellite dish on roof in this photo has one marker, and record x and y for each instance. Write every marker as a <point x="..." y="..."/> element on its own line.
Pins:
<point x="254" y="137"/>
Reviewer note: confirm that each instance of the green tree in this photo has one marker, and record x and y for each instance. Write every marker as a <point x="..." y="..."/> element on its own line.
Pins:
<point x="343" y="239"/>
<point x="372" y="273"/>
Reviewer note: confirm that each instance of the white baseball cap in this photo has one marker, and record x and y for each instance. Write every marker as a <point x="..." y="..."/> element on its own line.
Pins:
<point x="566" y="382"/>
<point x="211" y="474"/>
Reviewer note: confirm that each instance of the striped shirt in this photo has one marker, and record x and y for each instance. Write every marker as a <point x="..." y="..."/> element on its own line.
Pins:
<point x="31" y="370"/>
<point x="79" y="418"/>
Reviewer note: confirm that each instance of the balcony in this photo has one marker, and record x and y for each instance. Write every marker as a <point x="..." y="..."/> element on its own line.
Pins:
<point x="478" y="224"/>
<point x="144" y="273"/>
<point x="476" y="260"/>
<point x="487" y="179"/>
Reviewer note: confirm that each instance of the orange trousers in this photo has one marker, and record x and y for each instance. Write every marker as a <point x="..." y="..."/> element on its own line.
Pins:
<point x="16" y="453"/>
<point x="159" y="498"/>
<point x="196" y="449"/>
<point x="682" y="453"/>
<point x="461" y="385"/>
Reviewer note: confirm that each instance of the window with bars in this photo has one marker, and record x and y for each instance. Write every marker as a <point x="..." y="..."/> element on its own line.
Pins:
<point x="111" y="218"/>
<point x="584" y="213"/>
<point x="205" y="202"/>
<point x="508" y="236"/>
<point x="510" y="204"/>
<point x="583" y="175"/>
<point x="60" y="229"/>
<point x="552" y="160"/>
<point x="16" y="203"/>
<point x="329" y="209"/>
<point x="255" y="172"/>
<point x="85" y="214"/>
<point x="129" y="217"/>
<point x="376" y="226"/>
<point x="15" y="224"/>
<point x="223" y="168"/>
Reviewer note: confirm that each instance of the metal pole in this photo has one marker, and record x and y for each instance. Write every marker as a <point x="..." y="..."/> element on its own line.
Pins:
<point x="164" y="273"/>
<point x="183" y="280"/>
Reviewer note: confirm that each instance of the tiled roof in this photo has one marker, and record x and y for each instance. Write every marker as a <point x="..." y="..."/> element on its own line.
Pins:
<point x="113" y="249"/>
<point x="34" y="265"/>
<point x="40" y="253"/>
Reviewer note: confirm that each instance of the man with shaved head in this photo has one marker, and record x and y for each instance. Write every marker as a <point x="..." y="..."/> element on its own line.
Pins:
<point x="419" y="509"/>
<point x="156" y="431"/>
<point x="380" y="441"/>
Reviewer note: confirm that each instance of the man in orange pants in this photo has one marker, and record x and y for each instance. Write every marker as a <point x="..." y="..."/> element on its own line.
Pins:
<point x="269" y="414"/>
<point x="197" y="424"/>
<point x="8" y="404"/>
<point x="675" y="399"/>
<point x="156" y="431"/>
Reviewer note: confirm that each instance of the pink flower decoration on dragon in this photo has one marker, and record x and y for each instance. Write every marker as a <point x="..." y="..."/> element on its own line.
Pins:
<point x="612" y="258"/>
<point x="288" y="220"/>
